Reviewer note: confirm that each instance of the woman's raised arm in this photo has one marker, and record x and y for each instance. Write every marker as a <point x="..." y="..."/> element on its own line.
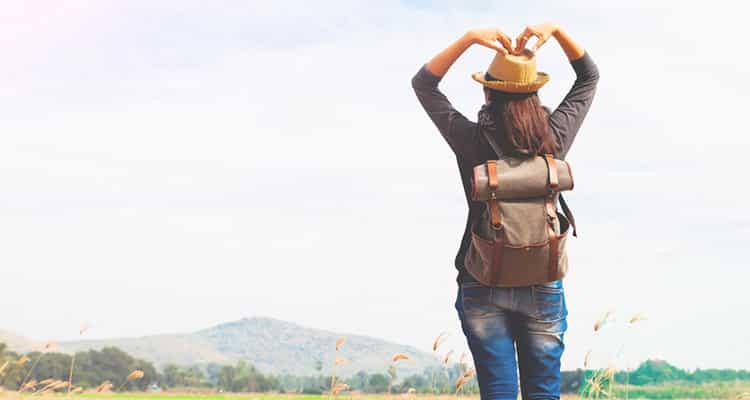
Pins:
<point x="492" y="38"/>
<point x="458" y="131"/>
<point x="567" y="118"/>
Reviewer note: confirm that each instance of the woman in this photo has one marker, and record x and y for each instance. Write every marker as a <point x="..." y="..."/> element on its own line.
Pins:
<point x="501" y="321"/>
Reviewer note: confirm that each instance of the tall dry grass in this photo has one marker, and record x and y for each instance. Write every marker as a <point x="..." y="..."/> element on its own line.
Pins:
<point x="133" y="376"/>
<point x="84" y="328"/>
<point x="392" y="369"/>
<point x="601" y="382"/>
<point x="336" y="388"/>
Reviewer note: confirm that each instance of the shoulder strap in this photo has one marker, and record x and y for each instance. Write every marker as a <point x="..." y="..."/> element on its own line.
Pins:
<point x="569" y="214"/>
<point x="493" y="144"/>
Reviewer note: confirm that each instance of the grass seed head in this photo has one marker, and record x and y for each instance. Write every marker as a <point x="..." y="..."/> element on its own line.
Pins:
<point x="460" y="382"/>
<point x="339" y="387"/>
<point x="399" y="356"/>
<point x="447" y="357"/>
<point x="60" y="385"/>
<point x="469" y="372"/>
<point x="637" y="317"/>
<point x="439" y="340"/>
<point x="603" y="320"/>
<point x="586" y="359"/>
<point x="464" y="378"/>
<point x="104" y="387"/>
<point x="31" y="384"/>
<point x="50" y="386"/>
<point x="339" y="342"/>
<point x="137" y="374"/>
<point x="21" y="361"/>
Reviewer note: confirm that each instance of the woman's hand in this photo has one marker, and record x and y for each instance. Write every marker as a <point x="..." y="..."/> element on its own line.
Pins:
<point x="542" y="33"/>
<point x="490" y="37"/>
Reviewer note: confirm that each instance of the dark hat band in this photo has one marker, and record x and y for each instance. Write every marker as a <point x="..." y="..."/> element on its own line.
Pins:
<point x="499" y="94"/>
<point x="496" y="94"/>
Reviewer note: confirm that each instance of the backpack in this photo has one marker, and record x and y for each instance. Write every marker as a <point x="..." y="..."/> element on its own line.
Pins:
<point x="520" y="237"/>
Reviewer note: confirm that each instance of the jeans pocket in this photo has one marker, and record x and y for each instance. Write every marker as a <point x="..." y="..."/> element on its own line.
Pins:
<point x="475" y="299"/>
<point x="548" y="301"/>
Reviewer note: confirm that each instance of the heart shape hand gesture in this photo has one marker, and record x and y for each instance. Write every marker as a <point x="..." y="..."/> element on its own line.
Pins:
<point x="494" y="38"/>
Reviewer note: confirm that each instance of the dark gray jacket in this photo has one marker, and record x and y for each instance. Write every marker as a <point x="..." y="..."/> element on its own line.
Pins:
<point x="471" y="148"/>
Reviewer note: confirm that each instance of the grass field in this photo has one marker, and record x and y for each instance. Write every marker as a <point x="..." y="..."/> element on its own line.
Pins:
<point x="733" y="391"/>
<point x="237" y="396"/>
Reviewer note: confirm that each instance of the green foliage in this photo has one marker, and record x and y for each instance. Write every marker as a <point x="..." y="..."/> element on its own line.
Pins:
<point x="684" y="390"/>
<point x="92" y="368"/>
<point x="114" y="365"/>
<point x="175" y="376"/>
<point x="377" y="383"/>
<point x="660" y="372"/>
<point x="413" y="381"/>
<point x="245" y="378"/>
<point x="653" y="371"/>
<point x="720" y="375"/>
<point x="571" y="381"/>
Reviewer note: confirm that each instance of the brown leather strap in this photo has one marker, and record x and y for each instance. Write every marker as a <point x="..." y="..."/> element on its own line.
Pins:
<point x="554" y="181"/>
<point x="492" y="204"/>
<point x="553" y="251"/>
<point x="492" y="174"/>
<point x="495" y="218"/>
<point x="494" y="207"/>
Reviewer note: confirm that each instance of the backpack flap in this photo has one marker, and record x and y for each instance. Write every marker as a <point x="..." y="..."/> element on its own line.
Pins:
<point x="518" y="178"/>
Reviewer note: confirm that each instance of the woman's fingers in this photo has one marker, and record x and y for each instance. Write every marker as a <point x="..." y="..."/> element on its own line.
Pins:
<point x="493" y="44"/>
<point x="539" y="43"/>
<point x="521" y="40"/>
<point x="493" y="38"/>
<point x="524" y="37"/>
<point x="506" y="41"/>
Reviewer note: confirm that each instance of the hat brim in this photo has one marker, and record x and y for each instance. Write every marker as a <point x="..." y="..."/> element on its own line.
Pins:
<point x="514" y="87"/>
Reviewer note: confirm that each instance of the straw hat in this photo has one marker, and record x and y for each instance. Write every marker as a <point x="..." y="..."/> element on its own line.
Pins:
<point x="515" y="73"/>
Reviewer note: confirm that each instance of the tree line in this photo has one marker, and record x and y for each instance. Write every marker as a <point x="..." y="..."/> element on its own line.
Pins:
<point x="92" y="368"/>
<point x="110" y="364"/>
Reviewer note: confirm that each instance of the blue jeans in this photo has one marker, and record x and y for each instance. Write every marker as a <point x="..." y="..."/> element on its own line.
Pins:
<point x="500" y="321"/>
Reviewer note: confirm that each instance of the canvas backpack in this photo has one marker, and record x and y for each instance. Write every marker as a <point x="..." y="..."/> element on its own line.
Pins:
<point x="520" y="237"/>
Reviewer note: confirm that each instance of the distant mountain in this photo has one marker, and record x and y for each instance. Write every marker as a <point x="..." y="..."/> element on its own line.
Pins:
<point x="182" y="349"/>
<point x="19" y="343"/>
<point x="271" y="345"/>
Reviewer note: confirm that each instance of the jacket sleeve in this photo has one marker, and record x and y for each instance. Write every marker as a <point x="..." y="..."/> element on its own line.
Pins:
<point x="568" y="117"/>
<point x="458" y="131"/>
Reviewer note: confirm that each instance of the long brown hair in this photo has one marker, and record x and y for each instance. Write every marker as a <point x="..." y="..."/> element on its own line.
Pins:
<point x="520" y="124"/>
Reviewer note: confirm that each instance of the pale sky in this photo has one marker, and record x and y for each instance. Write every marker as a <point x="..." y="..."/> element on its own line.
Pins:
<point x="171" y="165"/>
